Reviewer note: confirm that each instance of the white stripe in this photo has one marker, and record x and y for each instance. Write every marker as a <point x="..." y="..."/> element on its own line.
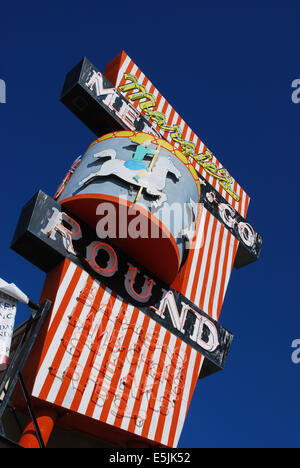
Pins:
<point x="175" y="390"/>
<point x="132" y="393"/>
<point x="149" y="381"/>
<point x="67" y="357"/>
<point x="86" y="397"/>
<point x="141" y="79"/>
<point x="112" y="415"/>
<point x="188" y="134"/>
<point x="62" y="290"/>
<point x="204" y="261"/>
<point x="198" y="248"/>
<point x="219" y="278"/>
<point x="86" y="342"/>
<point x="122" y="70"/>
<point x="138" y="375"/>
<point x="112" y="361"/>
<point x="185" y="396"/>
<point x="160" y="393"/>
<point x="51" y="352"/>
<point x="160" y="106"/>
<point x="212" y="269"/>
<point x="229" y="262"/>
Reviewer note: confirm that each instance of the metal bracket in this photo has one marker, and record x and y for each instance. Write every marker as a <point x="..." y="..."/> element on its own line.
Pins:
<point x="13" y="373"/>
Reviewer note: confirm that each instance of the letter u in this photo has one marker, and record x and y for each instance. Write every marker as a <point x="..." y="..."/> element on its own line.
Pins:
<point x="129" y="282"/>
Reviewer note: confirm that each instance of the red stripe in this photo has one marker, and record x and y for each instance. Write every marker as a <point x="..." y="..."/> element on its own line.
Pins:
<point x="121" y="360"/>
<point x="58" y="317"/>
<point x="79" y="347"/>
<point x="167" y="395"/>
<point x="222" y="286"/>
<point x="216" y="271"/>
<point x="107" y="356"/>
<point x="86" y="374"/>
<point x="151" y="350"/>
<point x="208" y="262"/>
<point x="179" y="400"/>
<point x="200" y="260"/>
<point x="153" y="395"/>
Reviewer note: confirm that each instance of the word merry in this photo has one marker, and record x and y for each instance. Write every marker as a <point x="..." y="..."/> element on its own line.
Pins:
<point x="188" y="147"/>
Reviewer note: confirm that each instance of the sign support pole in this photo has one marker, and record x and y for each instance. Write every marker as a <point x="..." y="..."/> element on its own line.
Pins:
<point x="37" y="437"/>
<point x="150" y="168"/>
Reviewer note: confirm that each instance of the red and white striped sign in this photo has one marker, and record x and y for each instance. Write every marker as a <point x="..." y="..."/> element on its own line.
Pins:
<point x="107" y="360"/>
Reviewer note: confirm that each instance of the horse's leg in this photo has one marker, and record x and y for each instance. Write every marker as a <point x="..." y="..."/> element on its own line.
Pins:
<point x="157" y="203"/>
<point x="162" y="197"/>
<point x="89" y="177"/>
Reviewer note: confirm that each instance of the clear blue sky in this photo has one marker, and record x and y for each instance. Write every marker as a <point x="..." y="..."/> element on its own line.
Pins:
<point x="228" y="72"/>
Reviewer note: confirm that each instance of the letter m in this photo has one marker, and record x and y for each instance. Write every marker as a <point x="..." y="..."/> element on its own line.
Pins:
<point x="97" y="81"/>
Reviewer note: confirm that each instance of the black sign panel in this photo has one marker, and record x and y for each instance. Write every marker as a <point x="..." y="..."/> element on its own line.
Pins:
<point x="250" y="242"/>
<point x="45" y="236"/>
<point x="98" y="104"/>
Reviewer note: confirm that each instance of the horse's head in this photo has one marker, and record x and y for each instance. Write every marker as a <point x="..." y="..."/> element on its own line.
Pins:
<point x="163" y="165"/>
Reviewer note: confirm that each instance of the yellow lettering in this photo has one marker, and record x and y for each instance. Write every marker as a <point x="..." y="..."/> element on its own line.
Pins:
<point x="188" y="148"/>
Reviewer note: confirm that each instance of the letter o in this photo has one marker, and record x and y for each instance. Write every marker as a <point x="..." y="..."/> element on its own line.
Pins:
<point x="227" y="218"/>
<point x="246" y="233"/>
<point x="112" y="264"/>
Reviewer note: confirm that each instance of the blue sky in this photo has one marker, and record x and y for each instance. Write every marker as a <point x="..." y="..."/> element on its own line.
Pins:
<point x="227" y="70"/>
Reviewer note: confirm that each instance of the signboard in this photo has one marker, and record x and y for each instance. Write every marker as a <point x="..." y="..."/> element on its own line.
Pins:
<point x="8" y="309"/>
<point x="134" y="323"/>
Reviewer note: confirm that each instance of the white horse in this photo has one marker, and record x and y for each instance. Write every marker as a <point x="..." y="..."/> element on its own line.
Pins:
<point x="154" y="182"/>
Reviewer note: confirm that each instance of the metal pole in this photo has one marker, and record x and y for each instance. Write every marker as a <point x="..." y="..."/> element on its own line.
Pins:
<point x="150" y="167"/>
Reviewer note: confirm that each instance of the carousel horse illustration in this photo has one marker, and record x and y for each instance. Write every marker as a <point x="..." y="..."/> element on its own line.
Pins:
<point x="136" y="172"/>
